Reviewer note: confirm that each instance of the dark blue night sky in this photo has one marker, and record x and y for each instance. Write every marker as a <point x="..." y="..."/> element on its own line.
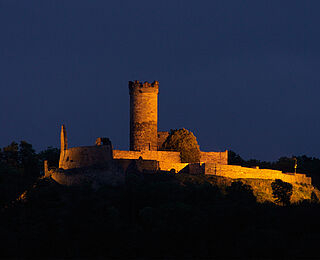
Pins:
<point x="242" y="75"/>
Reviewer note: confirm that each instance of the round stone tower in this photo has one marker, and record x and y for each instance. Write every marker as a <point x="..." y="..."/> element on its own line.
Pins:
<point x="143" y="115"/>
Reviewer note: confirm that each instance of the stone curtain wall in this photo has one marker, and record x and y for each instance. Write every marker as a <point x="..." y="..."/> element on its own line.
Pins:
<point x="85" y="156"/>
<point x="214" y="157"/>
<point x="111" y="175"/>
<point x="140" y="165"/>
<point x="161" y="156"/>
<point x="168" y="166"/>
<point x="143" y="116"/>
<point x="162" y="136"/>
<point x="235" y="172"/>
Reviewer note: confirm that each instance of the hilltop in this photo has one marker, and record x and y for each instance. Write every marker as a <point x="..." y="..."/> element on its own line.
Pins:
<point x="159" y="215"/>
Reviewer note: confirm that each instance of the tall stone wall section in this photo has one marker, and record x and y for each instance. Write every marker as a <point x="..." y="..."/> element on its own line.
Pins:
<point x="143" y="116"/>
<point x="168" y="166"/>
<point x="162" y="136"/>
<point x="110" y="174"/>
<point x="214" y="157"/>
<point x="166" y="160"/>
<point x="86" y="156"/>
<point x="140" y="165"/>
<point x="63" y="138"/>
<point x="161" y="156"/>
<point x="238" y="172"/>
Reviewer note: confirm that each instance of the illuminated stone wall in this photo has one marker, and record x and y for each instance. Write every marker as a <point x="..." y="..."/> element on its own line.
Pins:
<point x="161" y="156"/>
<point x="170" y="157"/>
<point x="162" y="136"/>
<point x="235" y="172"/>
<point x="143" y="116"/>
<point x="168" y="166"/>
<point x="140" y="165"/>
<point x="214" y="157"/>
<point x="110" y="174"/>
<point x="85" y="156"/>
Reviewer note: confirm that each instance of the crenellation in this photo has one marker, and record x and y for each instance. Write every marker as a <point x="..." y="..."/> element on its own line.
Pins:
<point x="214" y="157"/>
<point x="146" y="87"/>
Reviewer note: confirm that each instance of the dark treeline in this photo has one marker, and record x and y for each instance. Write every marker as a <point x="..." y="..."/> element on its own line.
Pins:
<point x="20" y="166"/>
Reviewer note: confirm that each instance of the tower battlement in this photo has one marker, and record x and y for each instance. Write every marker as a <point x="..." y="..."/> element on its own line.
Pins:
<point x="146" y="87"/>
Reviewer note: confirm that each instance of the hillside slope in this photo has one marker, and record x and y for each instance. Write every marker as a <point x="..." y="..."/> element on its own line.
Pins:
<point x="158" y="215"/>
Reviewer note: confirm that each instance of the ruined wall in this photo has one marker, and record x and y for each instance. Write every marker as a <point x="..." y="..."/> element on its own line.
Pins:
<point x="143" y="115"/>
<point x="161" y="156"/>
<point x="111" y="174"/>
<point x="162" y="136"/>
<point x="168" y="166"/>
<point x="63" y="138"/>
<point x="85" y="156"/>
<point x="46" y="168"/>
<point x="234" y="171"/>
<point x="196" y="168"/>
<point x="214" y="157"/>
<point x="152" y="160"/>
<point x="140" y="165"/>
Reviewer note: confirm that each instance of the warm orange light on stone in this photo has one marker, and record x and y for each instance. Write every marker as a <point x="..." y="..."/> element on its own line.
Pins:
<point x="145" y="142"/>
<point x="143" y="116"/>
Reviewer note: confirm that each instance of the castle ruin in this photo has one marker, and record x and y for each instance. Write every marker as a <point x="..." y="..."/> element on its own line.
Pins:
<point x="101" y="161"/>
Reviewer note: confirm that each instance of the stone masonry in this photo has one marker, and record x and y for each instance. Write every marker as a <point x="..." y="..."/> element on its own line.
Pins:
<point x="103" y="164"/>
<point x="143" y="116"/>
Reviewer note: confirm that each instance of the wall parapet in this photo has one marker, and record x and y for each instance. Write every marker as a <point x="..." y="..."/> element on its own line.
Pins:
<point x="85" y="156"/>
<point x="168" y="166"/>
<point x="214" y="157"/>
<point x="161" y="156"/>
<point x="238" y="172"/>
<point x="109" y="174"/>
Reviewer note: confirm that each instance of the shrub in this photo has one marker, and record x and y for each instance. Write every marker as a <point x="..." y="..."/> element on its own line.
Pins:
<point x="314" y="197"/>
<point x="185" y="142"/>
<point x="240" y="192"/>
<point x="281" y="191"/>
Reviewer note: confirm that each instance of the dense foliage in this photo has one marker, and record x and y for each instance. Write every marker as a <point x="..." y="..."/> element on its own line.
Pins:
<point x="281" y="191"/>
<point x="21" y="157"/>
<point x="52" y="155"/>
<point x="20" y="166"/>
<point x="240" y="192"/>
<point x="183" y="141"/>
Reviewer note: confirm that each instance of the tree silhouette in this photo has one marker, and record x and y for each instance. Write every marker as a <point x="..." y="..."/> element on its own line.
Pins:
<point x="185" y="142"/>
<point x="28" y="159"/>
<point x="234" y="158"/>
<point x="239" y="192"/>
<point x="52" y="155"/>
<point x="281" y="191"/>
<point x="10" y="155"/>
<point x="314" y="197"/>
